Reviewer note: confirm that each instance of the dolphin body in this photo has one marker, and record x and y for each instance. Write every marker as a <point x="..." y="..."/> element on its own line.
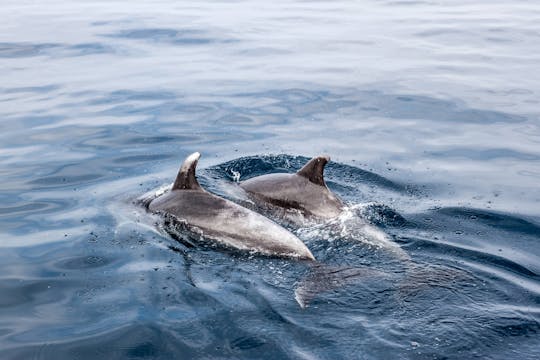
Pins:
<point x="223" y="221"/>
<point x="300" y="196"/>
<point x="303" y="199"/>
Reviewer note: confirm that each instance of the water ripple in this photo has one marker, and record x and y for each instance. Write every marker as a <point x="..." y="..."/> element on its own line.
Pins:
<point x="167" y="36"/>
<point x="428" y="109"/>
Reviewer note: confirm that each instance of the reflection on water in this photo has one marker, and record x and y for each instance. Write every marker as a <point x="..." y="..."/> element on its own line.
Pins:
<point x="429" y="111"/>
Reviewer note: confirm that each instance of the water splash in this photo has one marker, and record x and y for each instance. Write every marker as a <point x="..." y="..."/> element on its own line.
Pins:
<point x="352" y="226"/>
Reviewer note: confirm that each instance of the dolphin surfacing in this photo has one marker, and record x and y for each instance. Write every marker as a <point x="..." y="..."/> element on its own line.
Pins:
<point x="304" y="192"/>
<point x="223" y="221"/>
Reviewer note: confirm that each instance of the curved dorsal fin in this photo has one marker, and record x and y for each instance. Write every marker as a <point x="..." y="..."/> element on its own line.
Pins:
<point x="314" y="169"/>
<point x="186" y="180"/>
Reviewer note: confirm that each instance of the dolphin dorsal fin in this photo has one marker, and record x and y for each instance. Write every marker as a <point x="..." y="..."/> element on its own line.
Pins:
<point x="314" y="169"/>
<point x="186" y="180"/>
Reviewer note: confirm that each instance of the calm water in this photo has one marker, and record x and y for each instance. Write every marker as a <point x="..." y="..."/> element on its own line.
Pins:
<point x="430" y="111"/>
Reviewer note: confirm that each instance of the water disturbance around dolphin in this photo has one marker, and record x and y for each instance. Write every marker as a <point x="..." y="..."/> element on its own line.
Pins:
<point x="220" y="220"/>
<point x="303" y="201"/>
<point x="298" y="196"/>
<point x="208" y="220"/>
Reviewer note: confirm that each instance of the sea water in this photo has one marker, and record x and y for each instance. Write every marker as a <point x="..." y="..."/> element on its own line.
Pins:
<point x="428" y="109"/>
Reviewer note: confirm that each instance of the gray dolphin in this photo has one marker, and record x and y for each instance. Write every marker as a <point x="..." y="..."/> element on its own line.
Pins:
<point x="223" y="221"/>
<point x="304" y="193"/>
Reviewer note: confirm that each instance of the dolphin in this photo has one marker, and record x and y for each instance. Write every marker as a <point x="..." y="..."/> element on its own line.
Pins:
<point x="223" y="221"/>
<point x="303" y="194"/>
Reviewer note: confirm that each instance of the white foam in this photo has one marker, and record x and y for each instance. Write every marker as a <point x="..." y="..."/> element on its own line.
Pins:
<point x="236" y="175"/>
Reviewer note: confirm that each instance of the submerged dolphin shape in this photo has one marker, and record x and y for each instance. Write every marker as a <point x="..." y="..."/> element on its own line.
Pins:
<point x="304" y="193"/>
<point x="223" y="221"/>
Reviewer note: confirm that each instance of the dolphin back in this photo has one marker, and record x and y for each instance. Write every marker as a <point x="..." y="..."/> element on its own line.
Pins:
<point x="301" y="195"/>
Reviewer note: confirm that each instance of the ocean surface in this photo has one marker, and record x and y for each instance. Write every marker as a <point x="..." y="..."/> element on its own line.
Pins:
<point x="430" y="111"/>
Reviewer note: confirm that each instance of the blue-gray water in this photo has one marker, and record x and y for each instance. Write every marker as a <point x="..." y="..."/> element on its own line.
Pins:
<point x="429" y="110"/>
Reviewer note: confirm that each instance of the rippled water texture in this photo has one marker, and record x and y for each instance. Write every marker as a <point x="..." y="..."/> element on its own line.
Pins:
<point x="429" y="110"/>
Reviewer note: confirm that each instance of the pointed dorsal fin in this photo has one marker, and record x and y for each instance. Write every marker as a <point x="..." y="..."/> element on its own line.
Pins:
<point x="186" y="180"/>
<point x="314" y="170"/>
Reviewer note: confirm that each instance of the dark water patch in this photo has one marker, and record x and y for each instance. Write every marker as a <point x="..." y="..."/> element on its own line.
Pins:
<point x="247" y="343"/>
<point x="361" y="176"/>
<point x="499" y="39"/>
<point x="120" y="96"/>
<point x="84" y="262"/>
<point x="475" y="256"/>
<point x="167" y="108"/>
<point x="138" y="341"/>
<point x="139" y="139"/>
<point x="293" y="96"/>
<point x="237" y="120"/>
<point x="32" y="89"/>
<point x="228" y="116"/>
<point x="85" y="49"/>
<point x="167" y="36"/>
<point x="128" y="110"/>
<point x="163" y="141"/>
<point x="515" y="326"/>
<point x="315" y="108"/>
<point x="200" y="108"/>
<point x="410" y="106"/>
<point x="112" y="22"/>
<point x="492" y="219"/>
<point x="306" y="103"/>
<point x="325" y="282"/>
<point x="268" y="110"/>
<point x="23" y="217"/>
<point x="153" y="33"/>
<point x="302" y="102"/>
<point x="28" y="208"/>
<point x="21" y="50"/>
<point x="262" y="51"/>
<point x="437" y="32"/>
<point x="155" y="341"/>
<point x="294" y="105"/>
<point x="30" y="121"/>
<point x="157" y="139"/>
<point x="65" y="180"/>
<point x="134" y="159"/>
<point x="17" y="293"/>
<point x="406" y="3"/>
<point x="489" y="154"/>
